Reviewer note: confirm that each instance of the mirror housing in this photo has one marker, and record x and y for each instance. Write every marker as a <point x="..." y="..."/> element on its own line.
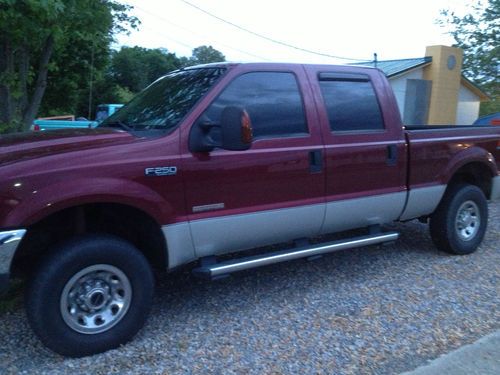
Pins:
<point x="235" y="132"/>
<point x="236" y="129"/>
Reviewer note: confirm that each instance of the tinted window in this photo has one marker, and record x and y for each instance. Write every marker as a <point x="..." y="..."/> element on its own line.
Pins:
<point x="272" y="100"/>
<point x="351" y="105"/>
<point x="161" y="106"/>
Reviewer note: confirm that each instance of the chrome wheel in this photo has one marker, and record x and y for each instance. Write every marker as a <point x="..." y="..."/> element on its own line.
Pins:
<point x="95" y="299"/>
<point x="468" y="220"/>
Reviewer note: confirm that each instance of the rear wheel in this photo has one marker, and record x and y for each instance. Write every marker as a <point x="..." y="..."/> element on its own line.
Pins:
<point x="89" y="295"/>
<point x="459" y="223"/>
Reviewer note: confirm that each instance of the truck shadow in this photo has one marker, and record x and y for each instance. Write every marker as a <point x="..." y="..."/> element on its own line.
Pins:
<point x="347" y="266"/>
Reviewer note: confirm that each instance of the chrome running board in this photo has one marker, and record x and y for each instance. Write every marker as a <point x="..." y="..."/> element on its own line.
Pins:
<point x="217" y="270"/>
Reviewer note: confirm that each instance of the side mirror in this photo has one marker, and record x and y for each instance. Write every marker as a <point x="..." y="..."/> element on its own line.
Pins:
<point x="236" y="129"/>
<point x="235" y="132"/>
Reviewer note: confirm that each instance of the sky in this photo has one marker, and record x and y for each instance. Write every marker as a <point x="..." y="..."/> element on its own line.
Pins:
<point x="354" y="29"/>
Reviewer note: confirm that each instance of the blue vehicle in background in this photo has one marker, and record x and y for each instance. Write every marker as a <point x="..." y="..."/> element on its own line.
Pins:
<point x="69" y="122"/>
<point x="493" y="119"/>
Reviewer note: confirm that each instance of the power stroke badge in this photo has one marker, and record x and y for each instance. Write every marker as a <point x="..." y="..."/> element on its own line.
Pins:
<point x="160" y="171"/>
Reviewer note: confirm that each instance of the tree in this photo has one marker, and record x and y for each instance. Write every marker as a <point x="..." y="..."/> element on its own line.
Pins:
<point x="107" y="91"/>
<point x="33" y="32"/>
<point x="135" y="67"/>
<point x="205" y="55"/>
<point x="477" y="33"/>
<point x="76" y="64"/>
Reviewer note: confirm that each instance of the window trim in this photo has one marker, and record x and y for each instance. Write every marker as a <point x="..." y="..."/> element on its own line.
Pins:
<point x="345" y="77"/>
<point x="270" y="137"/>
<point x="355" y="78"/>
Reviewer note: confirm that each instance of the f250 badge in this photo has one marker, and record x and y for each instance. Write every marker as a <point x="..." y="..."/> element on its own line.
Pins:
<point x="160" y="171"/>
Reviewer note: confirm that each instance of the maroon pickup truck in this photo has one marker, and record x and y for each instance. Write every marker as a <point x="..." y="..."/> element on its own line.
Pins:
<point x="220" y="159"/>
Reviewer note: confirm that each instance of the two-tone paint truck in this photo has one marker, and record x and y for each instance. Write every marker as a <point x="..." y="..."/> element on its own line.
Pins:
<point x="220" y="159"/>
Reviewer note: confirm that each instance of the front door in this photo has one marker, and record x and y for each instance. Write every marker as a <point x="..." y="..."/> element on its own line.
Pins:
<point x="272" y="192"/>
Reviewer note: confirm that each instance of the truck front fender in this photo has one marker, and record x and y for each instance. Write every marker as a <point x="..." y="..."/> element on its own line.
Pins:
<point x="38" y="204"/>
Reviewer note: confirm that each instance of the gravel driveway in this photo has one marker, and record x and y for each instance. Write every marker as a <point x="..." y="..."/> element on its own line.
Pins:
<point x="366" y="311"/>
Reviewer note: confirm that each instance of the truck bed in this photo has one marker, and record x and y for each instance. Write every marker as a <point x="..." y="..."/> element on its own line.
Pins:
<point x="436" y="152"/>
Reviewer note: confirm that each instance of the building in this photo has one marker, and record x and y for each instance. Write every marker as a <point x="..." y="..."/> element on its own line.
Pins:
<point x="432" y="89"/>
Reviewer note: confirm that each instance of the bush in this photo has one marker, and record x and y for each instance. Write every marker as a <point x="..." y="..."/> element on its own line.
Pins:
<point x="11" y="127"/>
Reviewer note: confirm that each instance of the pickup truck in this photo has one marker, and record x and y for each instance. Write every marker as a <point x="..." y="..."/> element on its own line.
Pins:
<point x="61" y="122"/>
<point x="220" y="159"/>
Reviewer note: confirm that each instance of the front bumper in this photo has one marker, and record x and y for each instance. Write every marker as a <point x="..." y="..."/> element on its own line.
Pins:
<point x="9" y="241"/>
<point x="495" y="189"/>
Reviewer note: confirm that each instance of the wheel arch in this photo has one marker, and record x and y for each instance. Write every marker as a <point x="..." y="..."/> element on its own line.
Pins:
<point x="125" y="221"/>
<point x="55" y="197"/>
<point x="477" y="173"/>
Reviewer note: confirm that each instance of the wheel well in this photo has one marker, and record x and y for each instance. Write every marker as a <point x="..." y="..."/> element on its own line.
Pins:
<point x="476" y="174"/>
<point x="123" y="221"/>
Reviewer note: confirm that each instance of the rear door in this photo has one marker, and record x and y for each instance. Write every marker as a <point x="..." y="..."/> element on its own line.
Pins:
<point x="272" y="192"/>
<point x="365" y="147"/>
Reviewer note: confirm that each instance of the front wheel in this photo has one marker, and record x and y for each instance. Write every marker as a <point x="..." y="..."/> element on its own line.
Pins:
<point x="459" y="223"/>
<point x="90" y="294"/>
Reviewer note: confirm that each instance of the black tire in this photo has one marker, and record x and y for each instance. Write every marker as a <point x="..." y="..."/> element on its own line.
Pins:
<point x="101" y="258"/>
<point x="448" y="231"/>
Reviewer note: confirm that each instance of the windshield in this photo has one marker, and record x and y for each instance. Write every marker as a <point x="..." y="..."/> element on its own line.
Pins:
<point x="160" y="107"/>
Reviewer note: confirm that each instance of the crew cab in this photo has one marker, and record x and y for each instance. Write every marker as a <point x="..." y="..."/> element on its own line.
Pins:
<point x="220" y="159"/>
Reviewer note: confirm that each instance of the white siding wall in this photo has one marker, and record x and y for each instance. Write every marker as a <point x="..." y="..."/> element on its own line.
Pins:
<point x="468" y="106"/>
<point x="399" y="86"/>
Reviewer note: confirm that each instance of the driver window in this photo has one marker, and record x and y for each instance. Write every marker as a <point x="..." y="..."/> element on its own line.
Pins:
<point x="272" y="99"/>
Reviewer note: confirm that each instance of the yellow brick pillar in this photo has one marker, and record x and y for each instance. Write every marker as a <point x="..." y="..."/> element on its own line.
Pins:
<point x="445" y="72"/>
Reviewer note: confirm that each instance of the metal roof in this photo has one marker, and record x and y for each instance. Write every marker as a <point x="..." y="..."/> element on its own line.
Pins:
<point x="394" y="67"/>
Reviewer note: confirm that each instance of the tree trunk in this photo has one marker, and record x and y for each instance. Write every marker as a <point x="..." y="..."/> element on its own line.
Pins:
<point x="41" y="83"/>
<point x="24" y="68"/>
<point x="6" y="71"/>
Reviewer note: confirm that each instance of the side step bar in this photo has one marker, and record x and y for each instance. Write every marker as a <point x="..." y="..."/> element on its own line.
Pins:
<point x="218" y="270"/>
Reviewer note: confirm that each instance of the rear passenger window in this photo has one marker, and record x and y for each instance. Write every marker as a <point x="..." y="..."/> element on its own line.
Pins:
<point x="272" y="99"/>
<point x="351" y="105"/>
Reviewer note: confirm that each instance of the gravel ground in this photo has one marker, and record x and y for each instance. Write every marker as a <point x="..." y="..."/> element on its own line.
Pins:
<point x="376" y="310"/>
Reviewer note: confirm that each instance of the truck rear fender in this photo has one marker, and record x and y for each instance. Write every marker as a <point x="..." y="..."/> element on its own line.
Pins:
<point x="473" y="165"/>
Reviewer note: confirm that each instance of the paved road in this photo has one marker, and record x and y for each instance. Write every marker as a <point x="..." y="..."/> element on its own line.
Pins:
<point x="366" y="311"/>
<point x="479" y="358"/>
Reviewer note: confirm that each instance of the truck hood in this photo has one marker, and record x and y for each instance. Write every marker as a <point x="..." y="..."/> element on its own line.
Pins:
<point x="23" y="146"/>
